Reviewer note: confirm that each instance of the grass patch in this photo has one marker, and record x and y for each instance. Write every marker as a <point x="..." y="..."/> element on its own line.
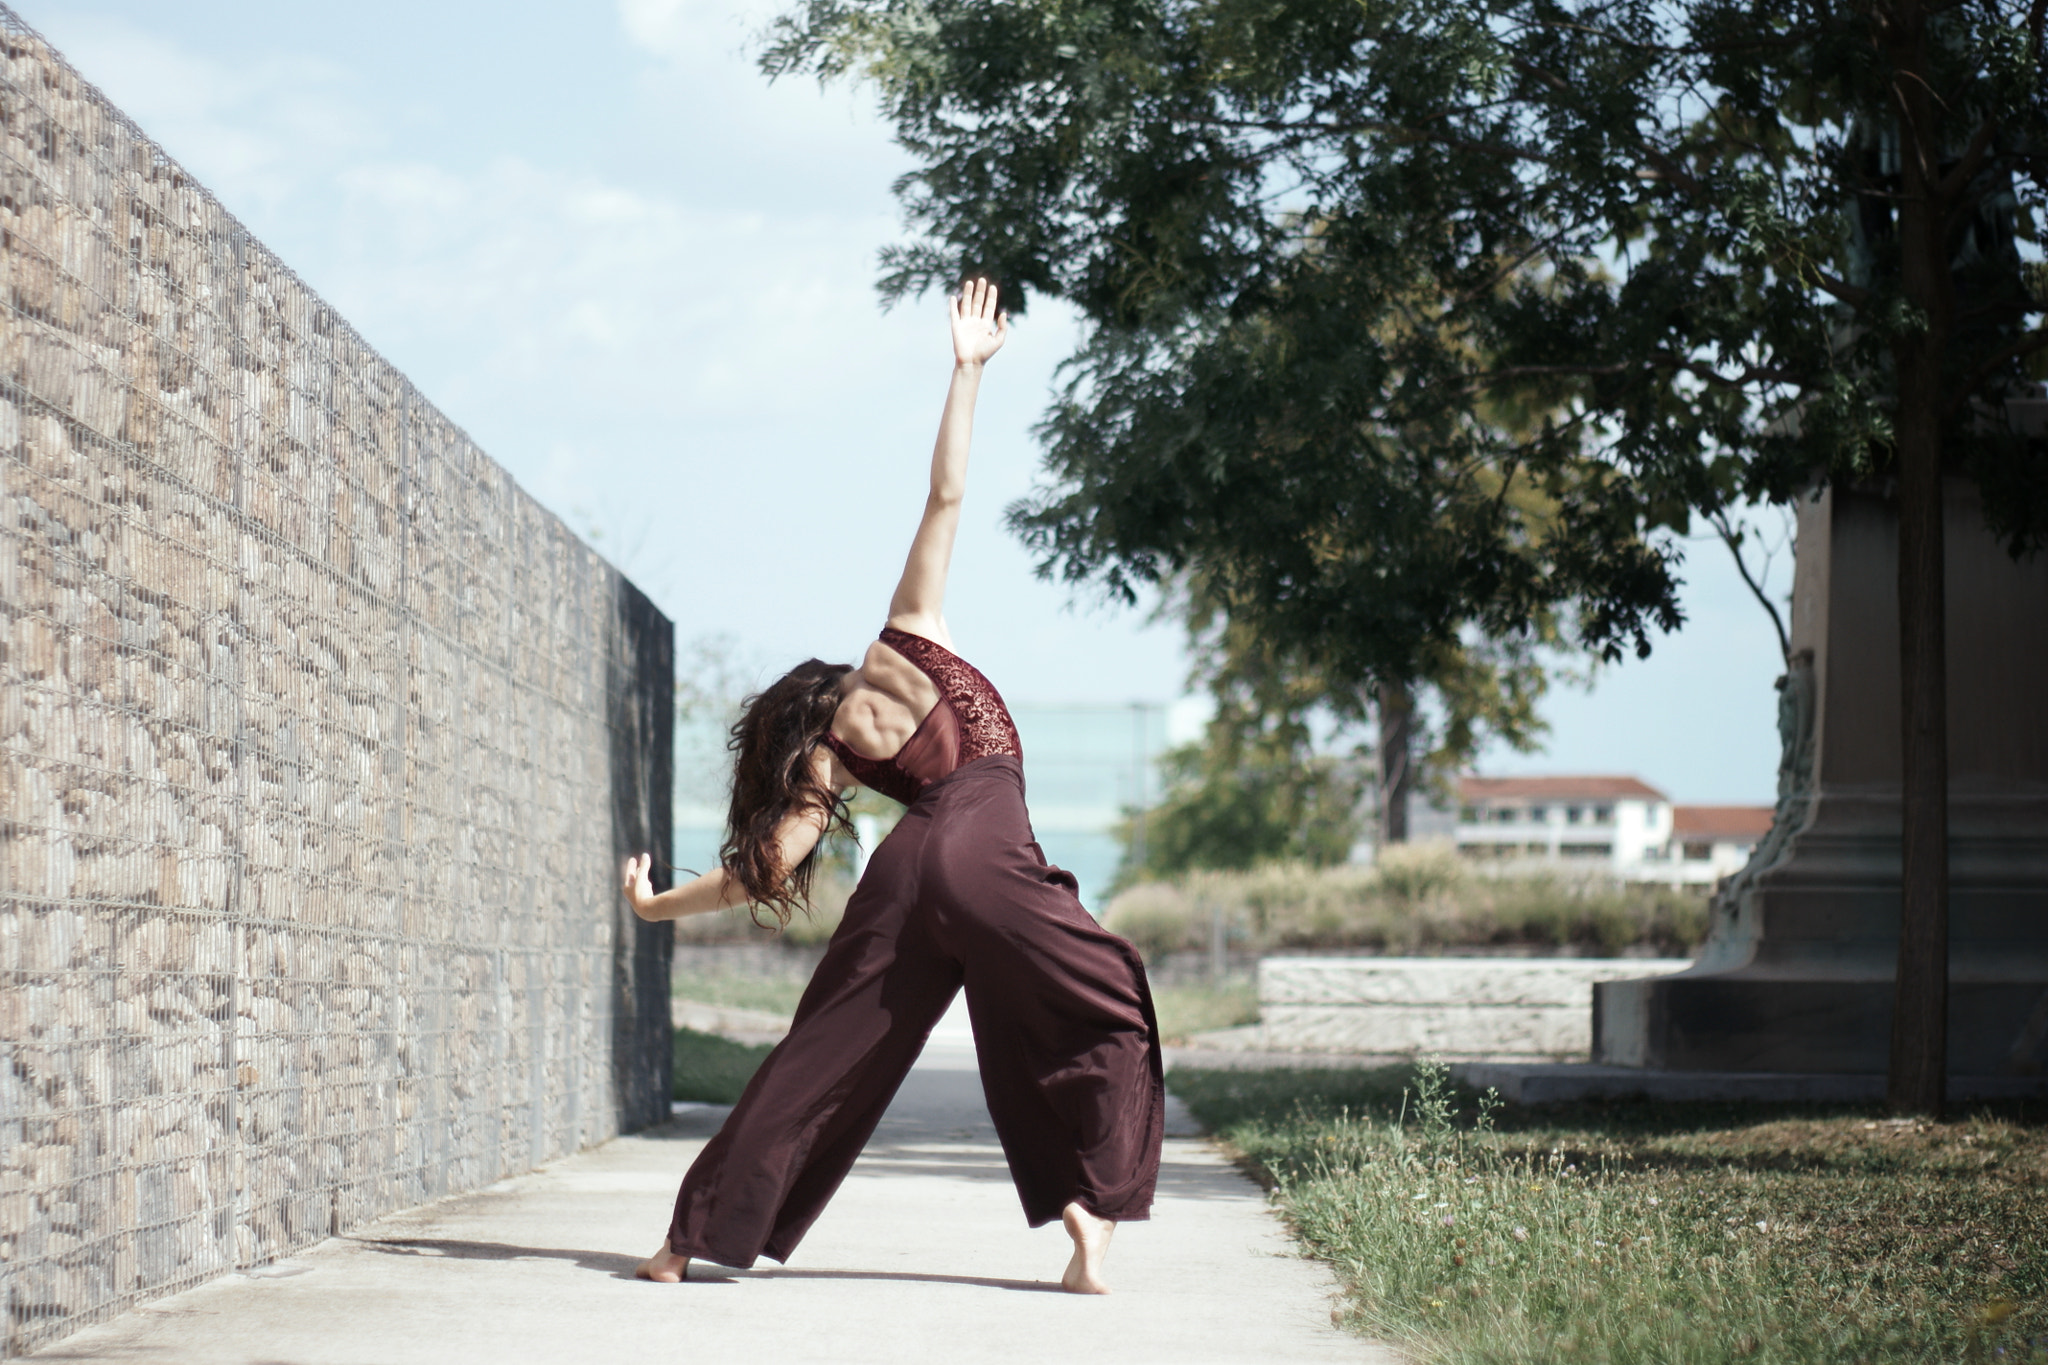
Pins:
<point x="714" y="1069"/>
<point x="1196" y="1009"/>
<point x="775" y="994"/>
<point x="1637" y="1233"/>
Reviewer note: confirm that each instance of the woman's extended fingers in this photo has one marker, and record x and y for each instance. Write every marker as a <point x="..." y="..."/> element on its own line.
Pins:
<point x="976" y="299"/>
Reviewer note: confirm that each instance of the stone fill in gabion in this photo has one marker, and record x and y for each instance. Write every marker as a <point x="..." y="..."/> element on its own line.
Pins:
<point x="321" y="741"/>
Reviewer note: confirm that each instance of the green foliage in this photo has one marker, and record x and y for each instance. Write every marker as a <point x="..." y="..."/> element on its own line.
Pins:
<point x="1414" y="325"/>
<point x="1241" y="800"/>
<point x="1649" y="1233"/>
<point x="714" y="1069"/>
<point x="1422" y="898"/>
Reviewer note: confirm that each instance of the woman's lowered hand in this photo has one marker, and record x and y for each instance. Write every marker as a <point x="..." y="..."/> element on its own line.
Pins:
<point x="638" y="889"/>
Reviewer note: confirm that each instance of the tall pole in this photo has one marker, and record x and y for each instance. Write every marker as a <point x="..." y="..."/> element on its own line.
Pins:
<point x="1140" y="760"/>
<point x="1918" y="1074"/>
<point x="1397" y="777"/>
<point x="1219" y="959"/>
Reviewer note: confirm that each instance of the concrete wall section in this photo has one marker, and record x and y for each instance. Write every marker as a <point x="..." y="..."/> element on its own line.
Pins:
<point x="1526" y="1009"/>
<point x="319" y="741"/>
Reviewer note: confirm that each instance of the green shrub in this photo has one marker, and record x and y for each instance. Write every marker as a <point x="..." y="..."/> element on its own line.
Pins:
<point x="1415" y="899"/>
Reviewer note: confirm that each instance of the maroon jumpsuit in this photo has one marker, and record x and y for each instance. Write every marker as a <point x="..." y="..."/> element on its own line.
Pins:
<point x="958" y="894"/>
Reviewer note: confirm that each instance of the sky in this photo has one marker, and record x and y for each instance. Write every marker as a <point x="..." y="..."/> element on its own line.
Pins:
<point x="642" y="278"/>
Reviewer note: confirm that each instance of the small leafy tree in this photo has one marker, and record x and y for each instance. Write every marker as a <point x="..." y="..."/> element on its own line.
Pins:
<point x="1249" y="794"/>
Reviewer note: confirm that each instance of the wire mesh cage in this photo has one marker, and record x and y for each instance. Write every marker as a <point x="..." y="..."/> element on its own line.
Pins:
<point x="321" y="743"/>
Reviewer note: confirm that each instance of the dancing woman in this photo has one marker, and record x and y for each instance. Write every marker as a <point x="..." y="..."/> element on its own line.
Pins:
<point x="958" y="894"/>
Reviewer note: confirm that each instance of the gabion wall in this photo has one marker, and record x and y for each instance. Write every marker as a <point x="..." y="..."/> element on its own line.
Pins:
<point x="321" y="743"/>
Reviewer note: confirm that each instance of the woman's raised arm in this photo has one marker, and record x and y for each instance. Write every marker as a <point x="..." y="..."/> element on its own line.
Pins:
<point x="980" y="328"/>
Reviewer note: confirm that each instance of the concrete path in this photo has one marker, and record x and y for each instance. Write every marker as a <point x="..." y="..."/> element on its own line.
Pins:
<point x="923" y="1256"/>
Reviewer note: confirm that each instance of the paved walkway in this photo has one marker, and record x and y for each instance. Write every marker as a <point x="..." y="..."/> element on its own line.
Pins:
<point x="923" y="1256"/>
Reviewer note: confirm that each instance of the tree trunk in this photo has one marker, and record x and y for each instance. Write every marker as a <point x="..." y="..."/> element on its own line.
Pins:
<point x="1917" y="1081"/>
<point x="1397" y="769"/>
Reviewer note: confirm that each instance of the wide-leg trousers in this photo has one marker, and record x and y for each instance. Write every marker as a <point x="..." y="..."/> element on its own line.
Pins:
<point x="959" y="894"/>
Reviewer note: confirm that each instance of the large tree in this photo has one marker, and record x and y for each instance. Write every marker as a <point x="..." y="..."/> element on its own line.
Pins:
<point x="1415" y="322"/>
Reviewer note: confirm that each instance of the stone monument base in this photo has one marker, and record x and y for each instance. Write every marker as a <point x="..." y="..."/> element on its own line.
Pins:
<point x="1780" y="1019"/>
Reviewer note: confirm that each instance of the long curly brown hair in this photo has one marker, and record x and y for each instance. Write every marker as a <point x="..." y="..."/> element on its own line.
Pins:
<point x="772" y="742"/>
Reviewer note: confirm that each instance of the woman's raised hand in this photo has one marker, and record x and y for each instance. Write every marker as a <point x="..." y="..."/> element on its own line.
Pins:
<point x="979" y="327"/>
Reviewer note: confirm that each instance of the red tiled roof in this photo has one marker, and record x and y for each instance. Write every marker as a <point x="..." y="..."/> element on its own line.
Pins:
<point x="1734" y="824"/>
<point x="1556" y="788"/>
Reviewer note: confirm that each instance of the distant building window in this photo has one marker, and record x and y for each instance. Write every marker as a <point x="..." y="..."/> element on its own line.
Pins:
<point x="1602" y="814"/>
<point x="1540" y="814"/>
<point x="1537" y="850"/>
<point x="1503" y="815"/>
<point x="1586" y="850"/>
<point x="1698" y="852"/>
<point x="1572" y="815"/>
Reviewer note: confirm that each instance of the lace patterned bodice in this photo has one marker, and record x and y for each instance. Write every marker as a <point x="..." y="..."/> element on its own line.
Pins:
<point x="969" y="722"/>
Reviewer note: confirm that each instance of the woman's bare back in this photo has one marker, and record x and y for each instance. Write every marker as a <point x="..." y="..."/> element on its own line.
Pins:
<point x="883" y="702"/>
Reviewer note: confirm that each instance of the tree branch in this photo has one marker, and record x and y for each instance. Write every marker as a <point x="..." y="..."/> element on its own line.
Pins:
<point x="1795" y="39"/>
<point x="1655" y="360"/>
<point x="2027" y="344"/>
<point x="1506" y="151"/>
<point x="1957" y="180"/>
<point x="1718" y="519"/>
<point x="1672" y="171"/>
<point x="1504" y="272"/>
<point x="1841" y="289"/>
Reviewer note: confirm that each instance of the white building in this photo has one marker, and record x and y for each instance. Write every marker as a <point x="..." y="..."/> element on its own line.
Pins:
<point x="1709" y="842"/>
<point x="1620" y="825"/>
<point x="1611" y="822"/>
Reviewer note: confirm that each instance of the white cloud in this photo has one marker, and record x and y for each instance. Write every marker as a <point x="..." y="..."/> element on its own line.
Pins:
<point x="694" y="31"/>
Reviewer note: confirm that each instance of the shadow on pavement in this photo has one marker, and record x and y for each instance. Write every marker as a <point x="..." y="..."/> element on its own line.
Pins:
<point x="620" y="1266"/>
<point x="903" y="1276"/>
<point x="701" y="1272"/>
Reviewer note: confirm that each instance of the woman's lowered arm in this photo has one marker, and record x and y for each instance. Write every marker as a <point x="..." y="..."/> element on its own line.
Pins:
<point x="795" y="837"/>
<point x="979" y="330"/>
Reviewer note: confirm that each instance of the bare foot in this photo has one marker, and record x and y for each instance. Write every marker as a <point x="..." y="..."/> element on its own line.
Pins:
<point x="1091" y="1244"/>
<point x="663" y="1267"/>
